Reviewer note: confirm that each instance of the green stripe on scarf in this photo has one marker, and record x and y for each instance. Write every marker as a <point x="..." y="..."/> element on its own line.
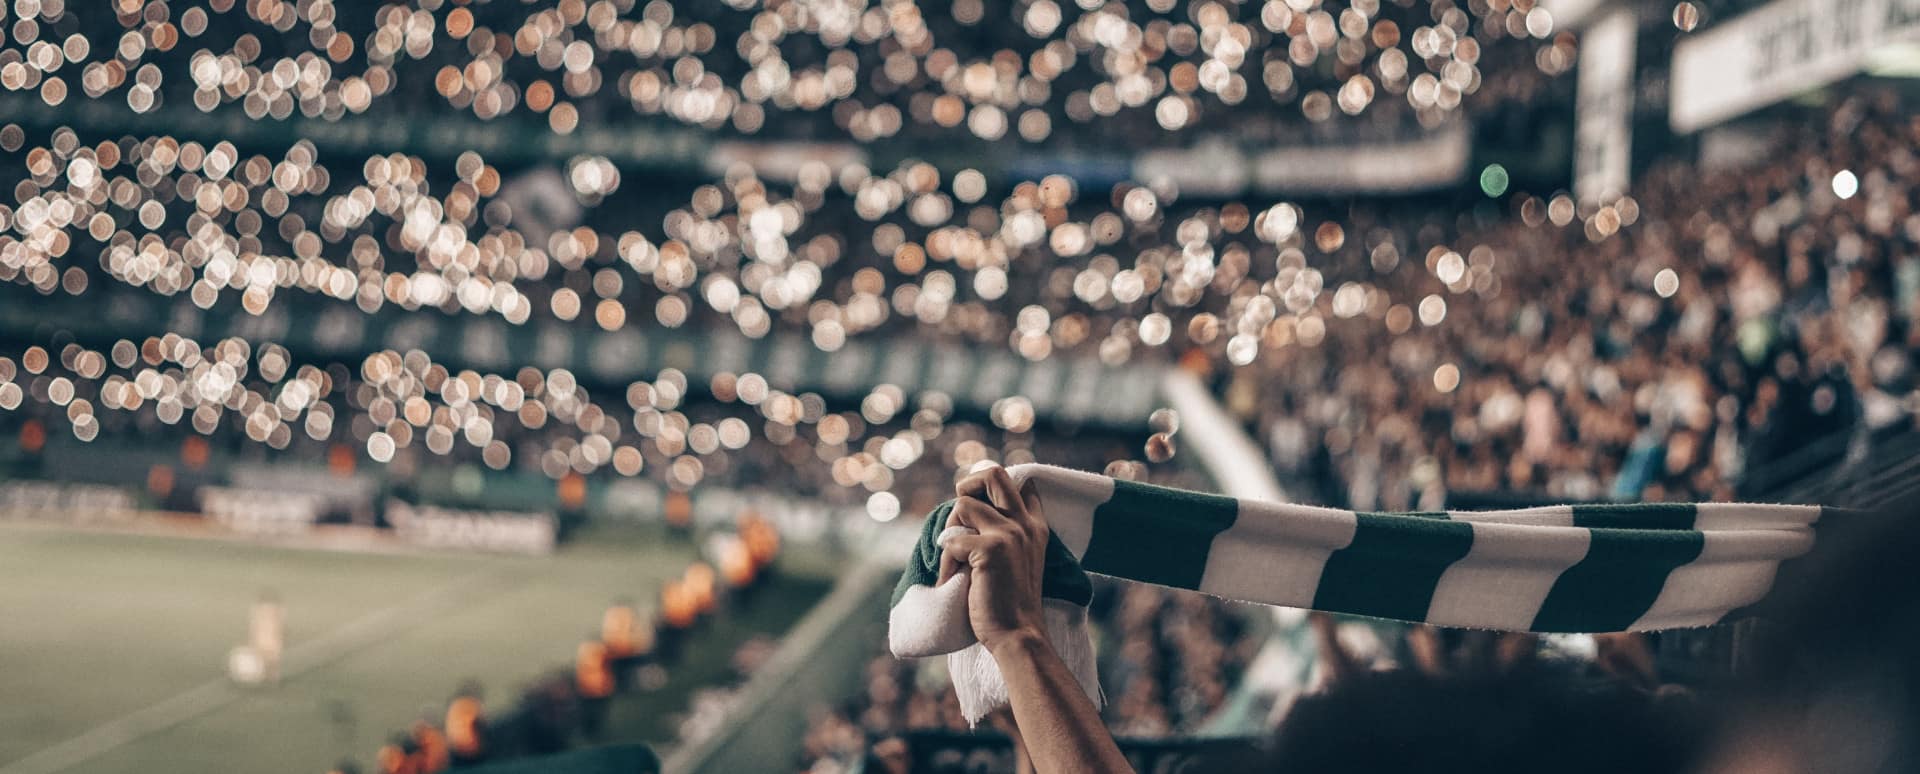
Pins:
<point x="923" y="567"/>
<point x="1635" y="516"/>
<point x="1157" y="535"/>
<point x="1618" y="581"/>
<point x="1391" y="567"/>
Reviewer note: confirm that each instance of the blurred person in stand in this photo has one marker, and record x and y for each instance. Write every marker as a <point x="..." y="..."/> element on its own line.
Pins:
<point x="678" y="613"/>
<point x="762" y="543"/>
<point x="1835" y="686"/>
<point x="430" y="752"/>
<point x="394" y="757"/>
<point x="628" y="642"/>
<point x="593" y="682"/>
<point x="545" y="719"/>
<point x="466" y="726"/>
<point x="1485" y="704"/>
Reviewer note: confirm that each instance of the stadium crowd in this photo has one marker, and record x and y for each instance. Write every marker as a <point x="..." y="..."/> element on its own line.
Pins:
<point x="1066" y="75"/>
<point x="1635" y="348"/>
<point x="1392" y="355"/>
<point x="835" y="253"/>
<point x="1655" y="348"/>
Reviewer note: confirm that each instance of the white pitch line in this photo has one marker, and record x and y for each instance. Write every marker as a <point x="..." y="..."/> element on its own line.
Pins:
<point x="213" y="694"/>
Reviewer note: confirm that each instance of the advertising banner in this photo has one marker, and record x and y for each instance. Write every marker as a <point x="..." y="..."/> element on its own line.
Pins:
<point x="511" y="532"/>
<point x="1778" y="50"/>
<point x="1603" y="128"/>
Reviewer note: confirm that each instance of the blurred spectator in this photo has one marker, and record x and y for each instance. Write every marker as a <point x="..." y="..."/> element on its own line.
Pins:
<point x="466" y="727"/>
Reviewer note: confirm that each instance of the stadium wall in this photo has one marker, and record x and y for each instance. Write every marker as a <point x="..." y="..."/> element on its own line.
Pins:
<point x="822" y="655"/>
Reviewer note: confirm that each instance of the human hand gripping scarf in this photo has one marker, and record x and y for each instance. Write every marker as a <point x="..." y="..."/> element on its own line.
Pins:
<point x="1578" y="568"/>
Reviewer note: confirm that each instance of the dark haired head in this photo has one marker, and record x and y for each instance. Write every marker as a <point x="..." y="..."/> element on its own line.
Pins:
<point x="1535" y="719"/>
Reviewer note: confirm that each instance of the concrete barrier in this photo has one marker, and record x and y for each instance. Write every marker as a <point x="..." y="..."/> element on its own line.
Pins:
<point x="824" y="654"/>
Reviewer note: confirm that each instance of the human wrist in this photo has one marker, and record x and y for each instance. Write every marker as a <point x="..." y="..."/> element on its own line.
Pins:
<point x="1026" y="639"/>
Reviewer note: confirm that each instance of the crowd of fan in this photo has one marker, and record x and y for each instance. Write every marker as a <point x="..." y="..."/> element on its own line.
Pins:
<point x="1652" y="348"/>
<point x="1063" y="74"/>
<point x="838" y="459"/>
<point x="1751" y="308"/>
<point x="1648" y="347"/>
<point x="836" y="253"/>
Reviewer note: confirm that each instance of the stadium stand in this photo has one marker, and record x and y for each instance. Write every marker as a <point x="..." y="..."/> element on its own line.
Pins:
<point x="433" y="281"/>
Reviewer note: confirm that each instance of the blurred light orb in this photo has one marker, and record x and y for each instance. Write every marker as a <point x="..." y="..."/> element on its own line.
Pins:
<point x="380" y="447"/>
<point x="1450" y="268"/>
<point x="1160" y="447"/>
<point x="1242" y="348"/>
<point x="1280" y="223"/>
<point x="969" y="185"/>
<point x="1845" y="184"/>
<point x="1666" y="283"/>
<point x="1686" y="16"/>
<point x="1140" y="204"/>
<point x="1203" y="328"/>
<point x="883" y="507"/>
<point x="1172" y="113"/>
<point x="1494" y="180"/>
<point x="1433" y="309"/>
<point x="1539" y="22"/>
<point x="1155" y="329"/>
<point x="990" y="283"/>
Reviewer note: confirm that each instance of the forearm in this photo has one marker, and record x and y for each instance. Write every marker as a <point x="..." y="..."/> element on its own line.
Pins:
<point x="1061" y="728"/>
<point x="1022" y="762"/>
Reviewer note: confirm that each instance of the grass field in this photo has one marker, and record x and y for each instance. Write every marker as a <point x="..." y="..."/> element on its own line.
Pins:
<point x="113" y="646"/>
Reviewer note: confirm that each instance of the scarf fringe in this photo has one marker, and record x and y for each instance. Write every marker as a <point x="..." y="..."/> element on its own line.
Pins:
<point x="981" y="688"/>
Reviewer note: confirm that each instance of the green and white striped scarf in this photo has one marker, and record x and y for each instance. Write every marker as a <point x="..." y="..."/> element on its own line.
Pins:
<point x="1580" y="568"/>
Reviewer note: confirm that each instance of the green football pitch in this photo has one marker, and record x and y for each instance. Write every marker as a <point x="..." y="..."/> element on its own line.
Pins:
<point x="113" y="647"/>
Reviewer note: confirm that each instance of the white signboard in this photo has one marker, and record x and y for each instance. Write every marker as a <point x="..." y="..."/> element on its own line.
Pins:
<point x="1435" y="160"/>
<point x="77" y="503"/>
<point x="1568" y="14"/>
<point x="1603" y="133"/>
<point x="1779" y="50"/>
<point x="455" y="528"/>
<point x="260" y="513"/>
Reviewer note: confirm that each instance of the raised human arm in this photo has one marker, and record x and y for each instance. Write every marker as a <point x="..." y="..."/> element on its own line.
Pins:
<point x="1062" y="730"/>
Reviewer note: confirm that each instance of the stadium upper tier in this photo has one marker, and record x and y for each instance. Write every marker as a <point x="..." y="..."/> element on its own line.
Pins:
<point x="1395" y="335"/>
<point x="1410" y="334"/>
<point x="658" y="84"/>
